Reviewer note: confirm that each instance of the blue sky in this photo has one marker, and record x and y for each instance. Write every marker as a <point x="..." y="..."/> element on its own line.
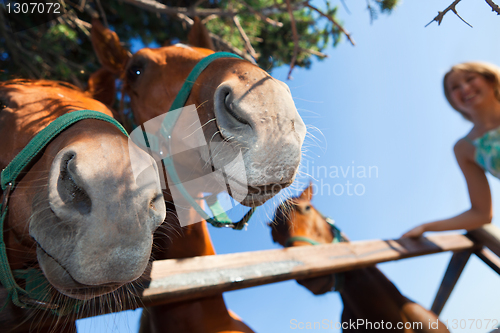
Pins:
<point x="379" y="104"/>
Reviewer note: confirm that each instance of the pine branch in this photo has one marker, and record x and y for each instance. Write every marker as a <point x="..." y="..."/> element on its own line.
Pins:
<point x="494" y="6"/>
<point x="335" y="23"/>
<point x="451" y="7"/>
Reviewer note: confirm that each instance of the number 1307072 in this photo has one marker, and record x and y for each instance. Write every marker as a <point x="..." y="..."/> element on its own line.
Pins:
<point x="471" y="324"/>
<point x="33" y="8"/>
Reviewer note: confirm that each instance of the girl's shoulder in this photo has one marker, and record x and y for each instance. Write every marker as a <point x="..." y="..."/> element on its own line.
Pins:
<point x="465" y="149"/>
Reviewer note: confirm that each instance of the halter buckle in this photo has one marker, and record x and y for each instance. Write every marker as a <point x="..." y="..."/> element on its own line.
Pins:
<point x="38" y="304"/>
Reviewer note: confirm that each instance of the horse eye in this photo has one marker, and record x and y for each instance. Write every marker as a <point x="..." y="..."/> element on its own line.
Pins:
<point x="307" y="208"/>
<point x="133" y="72"/>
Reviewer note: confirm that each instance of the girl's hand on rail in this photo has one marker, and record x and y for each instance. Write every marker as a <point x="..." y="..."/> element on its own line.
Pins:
<point x="415" y="232"/>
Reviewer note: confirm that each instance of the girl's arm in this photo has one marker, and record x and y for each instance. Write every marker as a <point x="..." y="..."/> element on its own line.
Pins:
<point x="480" y="212"/>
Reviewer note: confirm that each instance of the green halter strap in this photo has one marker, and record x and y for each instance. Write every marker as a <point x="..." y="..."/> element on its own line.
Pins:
<point x="337" y="238"/>
<point x="35" y="294"/>
<point x="220" y="218"/>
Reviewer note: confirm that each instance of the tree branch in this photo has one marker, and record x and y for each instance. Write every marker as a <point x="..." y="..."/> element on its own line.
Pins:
<point x="314" y="52"/>
<point x="101" y="13"/>
<point x="260" y="15"/>
<point x="494" y="6"/>
<point x="451" y="7"/>
<point x="335" y="23"/>
<point x="245" y="38"/>
<point x="219" y="41"/>
<point x="295" y="39"/>
<point x="157" y="7"/>
<point x="373" y="13"/>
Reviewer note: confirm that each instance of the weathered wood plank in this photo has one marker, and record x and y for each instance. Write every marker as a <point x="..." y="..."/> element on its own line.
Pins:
<point x="451" y="276"/>
<point x="489" y="259"/>
<point x="489" y="236"/>
<point x="176" y="280"/>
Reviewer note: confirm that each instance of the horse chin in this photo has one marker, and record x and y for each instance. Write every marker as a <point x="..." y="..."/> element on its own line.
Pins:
<point x="255" y="200"/>
<point x="62" y="280"/>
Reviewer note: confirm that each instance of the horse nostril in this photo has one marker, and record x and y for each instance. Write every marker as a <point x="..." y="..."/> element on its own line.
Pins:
<point x="230" y="106"/>
<point x="69" y="191"/>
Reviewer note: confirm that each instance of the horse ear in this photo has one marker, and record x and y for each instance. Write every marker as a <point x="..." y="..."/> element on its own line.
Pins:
<point x="199" y="36"/>
<point x="101" y="86"/>
<point x="111" y="54"/>
<point x="308" y="193"/>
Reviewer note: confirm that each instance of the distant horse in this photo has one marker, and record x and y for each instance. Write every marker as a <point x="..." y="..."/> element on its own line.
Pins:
<point x="367" y="294"/>
<point x="77" y="213"/>
<point x="250" y="109"/>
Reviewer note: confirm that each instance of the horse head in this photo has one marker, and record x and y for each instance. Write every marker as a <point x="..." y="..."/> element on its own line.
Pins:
<point x="239" y="105"/>
<point x="77" y="210"/>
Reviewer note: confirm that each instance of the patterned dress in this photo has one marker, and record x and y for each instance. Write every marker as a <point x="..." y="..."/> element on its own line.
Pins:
<point x="487" y="153"/>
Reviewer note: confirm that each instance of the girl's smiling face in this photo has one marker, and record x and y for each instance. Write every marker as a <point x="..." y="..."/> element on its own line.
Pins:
<point x="470" y="91"/>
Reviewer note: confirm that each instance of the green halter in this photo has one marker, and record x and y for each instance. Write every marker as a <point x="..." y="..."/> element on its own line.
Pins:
<point x="220" y="218"/>
<point x="35" y="294"/>
<point x="337" y="238"/>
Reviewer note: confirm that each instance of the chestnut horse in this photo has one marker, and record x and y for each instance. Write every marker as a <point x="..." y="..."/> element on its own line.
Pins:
<point x="367" y="294"/>
<point x="77" y="213"/>
<point x="239" y="105"/>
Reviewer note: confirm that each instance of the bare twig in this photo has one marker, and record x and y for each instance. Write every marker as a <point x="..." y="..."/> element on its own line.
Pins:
<point x="494" y="6"/>
<point x="345" y="7"/>
<point x="81" y="6"/>
<point x="91" y="11"/>
<point x="245" y="38"/>
<point x="260" y="15"/>
<point x="373" y="14"/>
<point x="83" y="24"/>
<point x="335" y="23"/>
<point x="219" y="41"/>
<point x="101" y="13"/>
<point x="295" y="39"/>
<point x="451" y="7"/>
<point x="209" y="18"/>
<point x="156" y="6"/>
<point x="314" y="52"/>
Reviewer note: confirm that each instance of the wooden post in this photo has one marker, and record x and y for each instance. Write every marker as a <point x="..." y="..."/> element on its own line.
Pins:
<point x="489" y="259"/>
<point x="455" y="268"/>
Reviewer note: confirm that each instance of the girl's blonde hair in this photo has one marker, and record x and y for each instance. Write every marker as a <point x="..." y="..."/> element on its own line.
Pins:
<point x="489" y="71"/>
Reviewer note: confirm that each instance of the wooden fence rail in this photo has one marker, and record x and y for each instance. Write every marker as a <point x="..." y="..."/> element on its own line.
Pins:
<point x="176" y="280"/>
<point x="182" y="279"/>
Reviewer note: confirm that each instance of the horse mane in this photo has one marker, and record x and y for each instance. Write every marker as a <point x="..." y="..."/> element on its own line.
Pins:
<point x="40" y="83"/>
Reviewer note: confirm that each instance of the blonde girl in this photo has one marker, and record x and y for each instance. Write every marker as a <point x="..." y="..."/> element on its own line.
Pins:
<point x="473" y="89"/>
